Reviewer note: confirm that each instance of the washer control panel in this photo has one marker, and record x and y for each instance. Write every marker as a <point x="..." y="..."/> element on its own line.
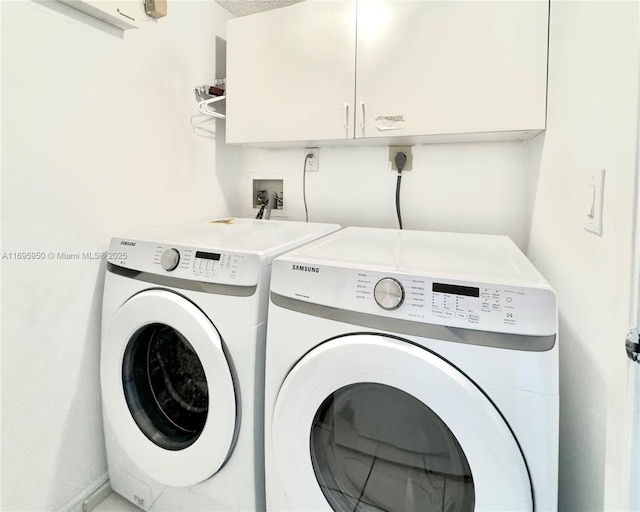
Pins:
<point x="184" y="262"/>
<point x="430" y="299"/>
<point x="447" y="302"/>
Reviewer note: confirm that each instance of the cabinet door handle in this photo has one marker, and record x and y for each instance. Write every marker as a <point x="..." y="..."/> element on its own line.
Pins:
<point x="346" y="120"/>
<point x="362" y="118"/>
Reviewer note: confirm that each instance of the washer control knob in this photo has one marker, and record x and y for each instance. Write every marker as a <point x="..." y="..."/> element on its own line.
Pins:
<point x="170" y="259"/>
<point x="389" y="293"/>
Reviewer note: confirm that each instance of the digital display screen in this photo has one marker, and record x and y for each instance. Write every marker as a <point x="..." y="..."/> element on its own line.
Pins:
<point x="467" y="291"/>
<point x="208" y="255"/>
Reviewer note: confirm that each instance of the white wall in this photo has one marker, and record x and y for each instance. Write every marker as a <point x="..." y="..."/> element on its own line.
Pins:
<point x="591" y="124"/>
<point x="96" y="140"/>
<point x="473" y="187"/>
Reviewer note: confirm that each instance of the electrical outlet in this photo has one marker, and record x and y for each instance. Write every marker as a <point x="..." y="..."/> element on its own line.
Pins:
<point x="394" y="150"/>
<point x="312" y="163"/>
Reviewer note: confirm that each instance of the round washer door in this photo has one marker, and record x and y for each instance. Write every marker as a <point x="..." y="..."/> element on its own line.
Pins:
<point x="368" y="422"/>
<point x="167" y="388"/>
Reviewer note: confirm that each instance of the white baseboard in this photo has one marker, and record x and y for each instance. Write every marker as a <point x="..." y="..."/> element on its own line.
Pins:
<point x="90" y="497"/>
<point x="96" y="497"/>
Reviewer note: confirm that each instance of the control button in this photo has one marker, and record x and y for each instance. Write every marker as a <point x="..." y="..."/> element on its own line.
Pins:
<point x="461" y="315"/>
<point x="170" y="259"/>
<point x="389" y="293"/>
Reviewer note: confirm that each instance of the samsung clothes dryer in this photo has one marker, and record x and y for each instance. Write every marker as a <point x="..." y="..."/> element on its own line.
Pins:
<point x="182" y="361"/>
<point x="410" y="371"/>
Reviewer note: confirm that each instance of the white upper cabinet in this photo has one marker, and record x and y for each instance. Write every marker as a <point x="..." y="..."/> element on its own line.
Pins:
<point x="388" y="71"/>
<point x="124" y="14"/>
<point x="290" y="73"/>
<point x="450" y="67"/>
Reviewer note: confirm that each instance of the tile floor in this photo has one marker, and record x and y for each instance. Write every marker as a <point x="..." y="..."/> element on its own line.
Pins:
<point x="116" y="503"/>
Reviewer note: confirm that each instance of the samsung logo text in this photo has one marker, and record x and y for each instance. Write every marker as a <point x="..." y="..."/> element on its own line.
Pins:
<point x="302" y="268"/>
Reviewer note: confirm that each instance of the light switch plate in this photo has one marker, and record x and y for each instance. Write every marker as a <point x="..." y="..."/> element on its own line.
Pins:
<point x="594" y="201"/>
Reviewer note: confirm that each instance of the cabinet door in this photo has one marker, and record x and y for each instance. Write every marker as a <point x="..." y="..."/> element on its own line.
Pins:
<point x="291" y="73"/>
<point x="450" y="67"/>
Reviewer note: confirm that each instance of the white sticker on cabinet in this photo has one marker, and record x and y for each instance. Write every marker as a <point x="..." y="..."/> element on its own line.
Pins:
<point x="389" y="122"/>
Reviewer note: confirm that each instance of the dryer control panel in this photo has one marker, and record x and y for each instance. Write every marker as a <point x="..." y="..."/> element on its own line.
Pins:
<point x="496" y="307"/>
<point x="184" y="262"/>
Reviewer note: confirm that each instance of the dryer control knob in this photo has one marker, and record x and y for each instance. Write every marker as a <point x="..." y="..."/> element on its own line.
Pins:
<point x="389" y="293"/>
<point x="170" y="259"/>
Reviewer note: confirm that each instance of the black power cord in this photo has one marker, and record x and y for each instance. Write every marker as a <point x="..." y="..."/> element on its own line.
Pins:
<point x="400" y="160"/>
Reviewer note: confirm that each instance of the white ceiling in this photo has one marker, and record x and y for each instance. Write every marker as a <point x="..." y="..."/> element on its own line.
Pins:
<point x="246" y="7"/>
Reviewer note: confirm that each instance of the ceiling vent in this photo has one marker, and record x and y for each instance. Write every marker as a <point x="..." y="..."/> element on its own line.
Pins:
<point x="246" y="7"/>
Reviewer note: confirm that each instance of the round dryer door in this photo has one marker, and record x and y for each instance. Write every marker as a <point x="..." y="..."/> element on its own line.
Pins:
<point x="167" y="388"/>
<point x="368" y="422"/>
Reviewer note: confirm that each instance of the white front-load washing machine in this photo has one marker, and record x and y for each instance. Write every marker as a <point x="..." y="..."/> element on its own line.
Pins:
<point x="410" y="371"/>
<point x="182" y="361"/>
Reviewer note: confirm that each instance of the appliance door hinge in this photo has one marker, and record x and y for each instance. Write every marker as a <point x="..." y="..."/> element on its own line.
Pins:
<point x="633" y="345"/>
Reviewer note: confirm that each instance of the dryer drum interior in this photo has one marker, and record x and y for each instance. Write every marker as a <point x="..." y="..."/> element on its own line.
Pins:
<point x="165" y="386"/>
<point x="377" y="448"/>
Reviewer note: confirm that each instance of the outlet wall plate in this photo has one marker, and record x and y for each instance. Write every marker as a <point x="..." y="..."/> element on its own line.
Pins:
<point x="312" y="164"/>
<point x="394" y="150"/>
